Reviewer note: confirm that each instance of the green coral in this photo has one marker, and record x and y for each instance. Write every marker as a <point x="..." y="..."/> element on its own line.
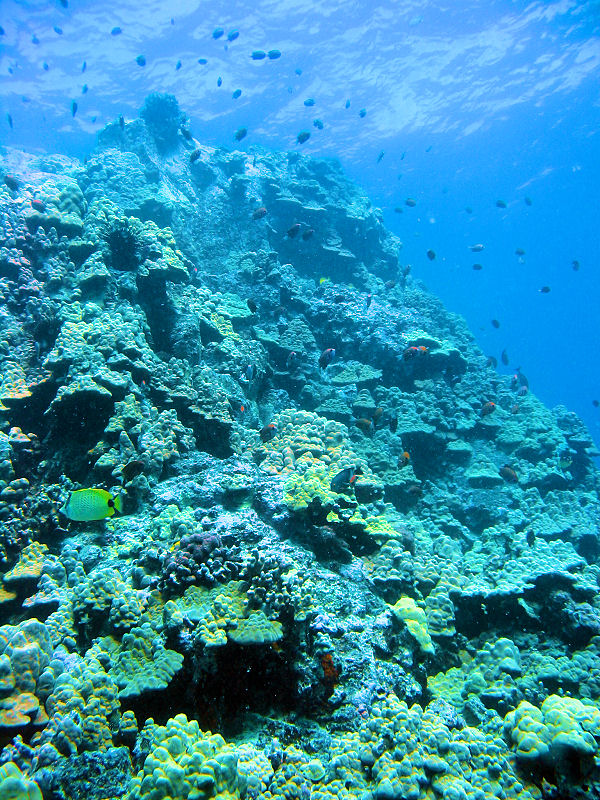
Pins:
<point x="140" y="662"/>
<point x="15" y="786"/>
<point x="183" y="762"/>
<point x="562" y="732"/>
<point x="222" y="613"/>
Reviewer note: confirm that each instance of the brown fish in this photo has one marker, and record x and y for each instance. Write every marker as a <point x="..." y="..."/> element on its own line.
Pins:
<point x="488" y="408"/>
<point x="259" y="213"/>
<point x="365" y="425"/>
<point x="293" y="231"/>
<point x="508" y="474"/>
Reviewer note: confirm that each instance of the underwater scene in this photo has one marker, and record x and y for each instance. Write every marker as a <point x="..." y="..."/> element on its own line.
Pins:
<point x="299" y="400"/>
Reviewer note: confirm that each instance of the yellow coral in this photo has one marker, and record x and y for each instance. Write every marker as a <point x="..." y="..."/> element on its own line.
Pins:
<point x="414" y="618"/>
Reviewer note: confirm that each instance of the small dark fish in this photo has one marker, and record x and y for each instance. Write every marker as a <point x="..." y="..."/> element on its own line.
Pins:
<point x="514" y="409"/>
<point x="34" y="39"/>
<point x="308" y="234"/>
<point x="344" y="478"/>
<point x="84" y="88"/>
<point x="309" y="101"/>
<point x="477" y="267"/>
<point x="268" y="432"/>
<point x="530" y="538"/>
<point x="237" y="93"/>
<point x="73" y="108"/>
<point x="377" y="415"/>
<point x="298" y="71"/>
<point x="240" y="134"/>
<point x="393" y="424"/>
<point x="302" y="137"/>
<point x="365" y="425"/>
<point x="232" y="36"/>
<point x="195" y="155"/>
<point x="252" y="305"/>
<point x="469" y="210"/>
<point x="575" y="264"/>
<point x="11" y="181"/>
<point x="495" y="323"/>
<point x="326" y="357"/>
<point x="391" y="284"/>
<point x="362" y="113"/>
<point x="488" y="408"/>
<point x="293" y="231"/>
<point x="501" y="204"/>
<point x="45" y="67"/>
<point x="380" y="156"/>
<point x="347" y="104"/>
<point x="504" y="357"/>
<point x="291" y="360"/>
<point x="431" y="255"/>
<point x="178" y="65"/>
<point x="492" y="361"/>
<point x="219" y="81"/>
<point x="596" y="403"/>
<point x="258" y="55"/>
<point x="186" y="133"/>
<point x="508" y="474"/>
<point x="9" y="119"/>
<point x="544" y="289"/>
<point x="141" y="61"/>
<point x="369" y="299"/>
<point x="518" y="379"/>
<point x="116" y="31"/>
<point x="415" y="490"/>
<point x="58" y="30"/>
<point x="203" y="61"/>
<point x="399" y="210"/>
<point x="217" y="33"/>
<point x="519" y="251"/>
<point x="273" y="54"/>
<point x="132" y="469"/>
<point x="528" y="201"/>
<point x="38" y="205"/>
<point x="121" y="122"/>
<point x="318" y="123"/>
<point x="84" y="66"/>
<point x="259" y="213"/>
<point x="410" y="202"/>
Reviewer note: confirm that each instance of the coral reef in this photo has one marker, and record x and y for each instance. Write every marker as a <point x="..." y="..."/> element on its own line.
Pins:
<point x="352" y="559"/>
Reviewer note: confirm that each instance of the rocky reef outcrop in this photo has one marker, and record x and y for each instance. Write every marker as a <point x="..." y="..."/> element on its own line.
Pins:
<point x="354" y="561"/>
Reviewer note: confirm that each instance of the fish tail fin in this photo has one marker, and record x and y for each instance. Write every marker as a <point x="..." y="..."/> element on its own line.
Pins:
<point x="118" y="504"/>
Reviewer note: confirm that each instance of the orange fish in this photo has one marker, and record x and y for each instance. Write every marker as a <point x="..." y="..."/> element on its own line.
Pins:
<point x="404" y="459"/>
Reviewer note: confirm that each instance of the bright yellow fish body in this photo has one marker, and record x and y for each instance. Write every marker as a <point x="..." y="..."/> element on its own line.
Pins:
<point x="87" y="505"/>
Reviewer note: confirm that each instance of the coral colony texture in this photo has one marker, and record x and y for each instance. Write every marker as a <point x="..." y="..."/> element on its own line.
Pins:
<point x="367" y="574"/>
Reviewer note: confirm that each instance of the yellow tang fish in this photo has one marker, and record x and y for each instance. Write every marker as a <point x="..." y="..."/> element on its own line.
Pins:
<point x="86" y="505"/>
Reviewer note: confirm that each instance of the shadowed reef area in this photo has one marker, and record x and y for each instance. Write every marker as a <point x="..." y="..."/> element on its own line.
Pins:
<point x="353" y="560"/>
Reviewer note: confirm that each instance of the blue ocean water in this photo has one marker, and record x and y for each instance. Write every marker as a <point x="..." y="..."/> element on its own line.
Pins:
<point x="465" y="104"/>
